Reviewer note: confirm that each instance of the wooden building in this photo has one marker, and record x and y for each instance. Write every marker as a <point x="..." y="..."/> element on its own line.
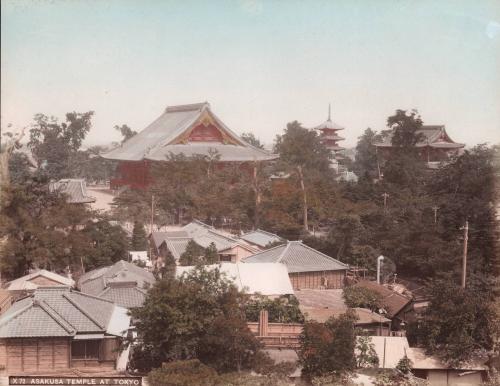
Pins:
<point x="26" y="284"/>
<point x="187" y="129"/>
<point x="307" y="267"/>
<point x="58" y="328"/>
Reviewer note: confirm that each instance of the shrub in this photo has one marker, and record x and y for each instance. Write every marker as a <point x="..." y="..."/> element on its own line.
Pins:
<point x="183" y="373"/>
<point x="362" y="297"/>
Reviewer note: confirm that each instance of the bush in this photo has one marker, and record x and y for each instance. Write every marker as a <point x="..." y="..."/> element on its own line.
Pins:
<point x="284" y="309"/>
<point x="183" y="373"/>
<point x="362" y="297"/>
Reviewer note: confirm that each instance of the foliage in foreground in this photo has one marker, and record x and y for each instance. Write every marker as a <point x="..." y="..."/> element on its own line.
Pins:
<point x="362" y="297"/>
<point x="284" y="309"/>
<point x="329" y="347"/>
<point x="194" y="373"/>
<point x="199" y="316"/>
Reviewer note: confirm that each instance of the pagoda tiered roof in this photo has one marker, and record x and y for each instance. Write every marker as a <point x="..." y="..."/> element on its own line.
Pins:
<point x="190" y="130"/>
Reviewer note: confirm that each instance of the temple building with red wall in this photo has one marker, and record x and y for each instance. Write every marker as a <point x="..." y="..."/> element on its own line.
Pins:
<point x="186" y="129"/>
<point x="434" y="147"/>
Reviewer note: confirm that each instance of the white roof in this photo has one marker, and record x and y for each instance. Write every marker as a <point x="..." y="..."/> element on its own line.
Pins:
<point x="390" y="350"/>
<point x="420" y="360"/>
<point x="119" y="322"/>
<point x="23" y="283"/>
<point x="264" y="278"/>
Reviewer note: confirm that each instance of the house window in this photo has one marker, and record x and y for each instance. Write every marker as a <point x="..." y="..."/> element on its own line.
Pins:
<point x="85" y="349"/>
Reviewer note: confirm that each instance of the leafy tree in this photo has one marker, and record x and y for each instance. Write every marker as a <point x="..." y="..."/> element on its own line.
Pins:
<point x="126" y="132"/>
<point x="139" y="240"/>
<point x="192" y="255"/>
<point x="252" y="140"/>
<point x="366" y="356"/>
<point x="365" y="161"/>
<point x="458" y="322"/>
<point x="328" y="347"/>
<point x="19" y="167"/>
<point x="53" y="143"/>
<point x="404" y="126"/>
<point x="362" y="297"/>
<point x="180" y="314"/>
<point x="302" y="151"/>
<point x="284" y="309"/>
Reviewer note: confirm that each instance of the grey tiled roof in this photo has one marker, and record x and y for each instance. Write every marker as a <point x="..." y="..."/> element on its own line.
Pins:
<point x="156" y="141"/>
<point x="329" y="124"/>
<point x="128" y="297"/>
<point x="56" y="311"/>
<point x="160" y="237"/>
<point x="261" y="238"/>
<point x="94" y="282"/>
<point x="75" y="189"/>
<point x="432" y="135"/>
<point x="298" y="257"/>
<point x="177" y="246"/>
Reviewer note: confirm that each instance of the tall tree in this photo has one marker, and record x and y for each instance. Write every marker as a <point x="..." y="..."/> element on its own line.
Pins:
<point x="126" y="132"/>
<point x="365" y="161"/>
<point x="303" y="153"/>
<point x="53" y="143"/>
<point x="139" y="240"/>
<point x="328" y="347"/>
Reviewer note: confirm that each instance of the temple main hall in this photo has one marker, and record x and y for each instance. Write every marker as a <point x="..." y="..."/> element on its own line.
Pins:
<point x="186" y="129"/>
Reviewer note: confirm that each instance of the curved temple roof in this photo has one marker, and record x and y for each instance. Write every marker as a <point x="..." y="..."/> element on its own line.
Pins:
<point x="167" y="135"/>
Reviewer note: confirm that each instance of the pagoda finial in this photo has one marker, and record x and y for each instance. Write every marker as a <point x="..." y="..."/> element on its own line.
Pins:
<point x="329" y="111"/>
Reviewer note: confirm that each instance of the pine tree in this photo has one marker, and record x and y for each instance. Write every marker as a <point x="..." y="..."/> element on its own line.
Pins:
<point x="211" y="256"/>
<point x="192" y="254"/>
<point x="139" y="241"/>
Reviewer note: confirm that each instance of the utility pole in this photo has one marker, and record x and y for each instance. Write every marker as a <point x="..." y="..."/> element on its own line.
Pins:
<point x="464" y="258"/>
<point x="152" y="212"/>
<point x="435" y="209"/>
<point x="385" y="195"/>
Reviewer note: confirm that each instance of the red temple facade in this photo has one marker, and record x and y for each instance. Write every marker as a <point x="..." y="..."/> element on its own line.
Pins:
<point x="191" y="130"/>
<point x="434" y="147"/>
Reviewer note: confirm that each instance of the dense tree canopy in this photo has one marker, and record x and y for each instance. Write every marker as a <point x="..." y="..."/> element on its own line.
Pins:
<point x="200" y="315"/>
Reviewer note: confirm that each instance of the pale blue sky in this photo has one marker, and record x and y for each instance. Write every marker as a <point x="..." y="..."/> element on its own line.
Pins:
<point x="259" y="63"/>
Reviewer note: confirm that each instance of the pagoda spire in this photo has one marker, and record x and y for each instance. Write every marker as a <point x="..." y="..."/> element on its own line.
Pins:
<point x="329" y="111"/>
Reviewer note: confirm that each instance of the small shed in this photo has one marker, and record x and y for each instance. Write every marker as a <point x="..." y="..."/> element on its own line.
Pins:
<point x="307" y="267"/>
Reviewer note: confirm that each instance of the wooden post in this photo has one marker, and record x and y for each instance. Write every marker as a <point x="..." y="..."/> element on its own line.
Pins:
<point x="385" y="195"/>
<point x="435" y="209"/>
<point x="464" y="258"/>
<point x="263" y="322"/>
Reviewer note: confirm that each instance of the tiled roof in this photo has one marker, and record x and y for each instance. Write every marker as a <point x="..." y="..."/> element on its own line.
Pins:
<point x="94" y="282"/>
<point x="125" y="296"/>
<point x="158" y="140"/>
<point x="329" y="124"/>
<point x="75" y="189"/>
<point x="298" y="257"/>
<point x="160" y="237"/>
<point x="261" y="238"/>
<point x="432" y="135"/>
<point x="177" y="246"/>
<point x="24" y="283"/>
<point x="59" y="311"/>
<point x="393" y="301"/>
<point x="327" y="298"/>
